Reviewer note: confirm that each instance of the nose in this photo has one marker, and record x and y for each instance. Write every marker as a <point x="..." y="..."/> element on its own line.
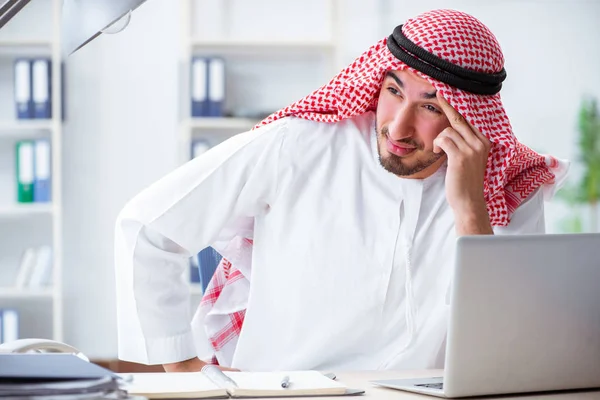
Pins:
<point x="402" y="125"/>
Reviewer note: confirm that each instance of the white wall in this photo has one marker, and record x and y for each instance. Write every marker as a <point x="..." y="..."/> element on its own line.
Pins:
<point x="122" y="111"/>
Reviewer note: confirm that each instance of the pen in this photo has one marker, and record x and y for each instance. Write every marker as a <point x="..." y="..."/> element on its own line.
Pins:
<point x="285" y="382"/>
<point x="218" y="376"/>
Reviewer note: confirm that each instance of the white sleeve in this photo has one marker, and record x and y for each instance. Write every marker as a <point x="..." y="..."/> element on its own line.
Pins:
<point x="158" y="230"/>
<point x="528" y="218"/>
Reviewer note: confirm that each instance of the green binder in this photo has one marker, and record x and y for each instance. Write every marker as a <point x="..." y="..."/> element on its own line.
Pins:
<point x="24" y="171"/>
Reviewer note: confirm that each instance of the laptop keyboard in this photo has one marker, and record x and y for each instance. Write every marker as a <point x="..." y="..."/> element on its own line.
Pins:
<point x="439" y="386"/>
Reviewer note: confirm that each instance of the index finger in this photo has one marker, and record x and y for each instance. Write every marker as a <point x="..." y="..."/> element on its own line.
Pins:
<point x="456" y="119"/>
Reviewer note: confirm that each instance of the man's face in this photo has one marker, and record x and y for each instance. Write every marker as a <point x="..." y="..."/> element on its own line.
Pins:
<point x="409" y="118"/>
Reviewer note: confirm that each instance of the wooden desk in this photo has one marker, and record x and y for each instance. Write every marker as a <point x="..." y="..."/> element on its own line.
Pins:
<point x="361" y="380"/>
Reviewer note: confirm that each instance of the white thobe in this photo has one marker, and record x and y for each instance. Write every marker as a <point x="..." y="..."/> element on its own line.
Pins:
<point x="351" y="264"/>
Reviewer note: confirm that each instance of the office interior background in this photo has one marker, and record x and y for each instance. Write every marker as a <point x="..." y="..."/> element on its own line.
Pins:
<point x="126" y="100"/>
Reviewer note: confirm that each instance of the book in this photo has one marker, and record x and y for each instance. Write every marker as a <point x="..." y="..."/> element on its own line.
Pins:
<point x="212" y="383"/>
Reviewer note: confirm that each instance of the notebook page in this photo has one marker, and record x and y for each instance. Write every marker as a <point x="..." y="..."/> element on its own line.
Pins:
<point x="160" y="385"/>
<point x="269" y="383"/>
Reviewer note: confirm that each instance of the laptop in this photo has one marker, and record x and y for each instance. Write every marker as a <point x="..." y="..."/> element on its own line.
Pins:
<point x="524" y="317"/>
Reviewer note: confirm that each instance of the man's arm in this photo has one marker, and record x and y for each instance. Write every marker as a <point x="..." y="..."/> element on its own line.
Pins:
<point x="198" y="204"/>
<point x="467" y="150"/>
<point x="475" y="222"/>
<point x="191" y="365"/>
<point x="528" y="218"/>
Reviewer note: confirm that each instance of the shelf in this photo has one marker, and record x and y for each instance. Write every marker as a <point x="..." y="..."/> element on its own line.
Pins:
<point x="25" y="43"/>
<point x="25" y="293"/>
<point x="261" y="46"/>
<point x="24" y="210"/>
<point x="223" y="123"/>
<point x="17" y="128"/>
<point x="17" y="47"/>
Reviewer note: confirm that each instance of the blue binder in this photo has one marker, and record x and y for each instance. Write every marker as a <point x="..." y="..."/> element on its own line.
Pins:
<point x="22" y="88"/>
<point x="216" y="86"/>
<point x="42" y="87"/>
<point x="42" y="171"/>
<point x="194" y="271"/>
<point x="208" y="260"/>
<point x="199" y="87"/>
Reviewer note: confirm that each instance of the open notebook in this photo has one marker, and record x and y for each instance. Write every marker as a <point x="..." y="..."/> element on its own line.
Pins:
<point x="215" y="384"/>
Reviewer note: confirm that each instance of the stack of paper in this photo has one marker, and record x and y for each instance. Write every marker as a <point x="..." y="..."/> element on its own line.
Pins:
<point x="51" y="376"/>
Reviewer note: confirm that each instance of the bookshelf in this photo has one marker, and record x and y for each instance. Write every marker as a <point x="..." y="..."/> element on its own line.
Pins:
<point x="258" y="64"/>
<point x="23" y="210"/>
<point x="34" y="32"/>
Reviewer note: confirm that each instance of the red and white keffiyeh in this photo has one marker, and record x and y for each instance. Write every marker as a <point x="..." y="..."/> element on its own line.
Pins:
<point x="513" y="170"/>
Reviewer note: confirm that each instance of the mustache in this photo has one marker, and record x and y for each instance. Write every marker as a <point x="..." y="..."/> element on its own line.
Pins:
<point x="408" y="141"/>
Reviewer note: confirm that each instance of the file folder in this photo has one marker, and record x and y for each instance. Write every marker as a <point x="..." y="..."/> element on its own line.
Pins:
<point x="42" y="98"/>
<point x="24" y="171"/>
<point x="216" y="87"/>
<point x="22" y="90"/>
<point x="42" y="174"/>
<point x="208" y="261"/>
<point x="199" y="89"/>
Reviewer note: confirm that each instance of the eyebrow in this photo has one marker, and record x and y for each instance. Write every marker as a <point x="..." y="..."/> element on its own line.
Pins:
<point x="425" y="95"/>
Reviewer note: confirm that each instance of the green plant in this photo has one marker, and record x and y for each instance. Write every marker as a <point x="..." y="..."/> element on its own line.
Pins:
<point x="587" y="191"/>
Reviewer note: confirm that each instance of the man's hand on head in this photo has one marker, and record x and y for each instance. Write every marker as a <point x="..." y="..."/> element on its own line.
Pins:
<point x="191" y="365"/>
<point x="467" y="150"/>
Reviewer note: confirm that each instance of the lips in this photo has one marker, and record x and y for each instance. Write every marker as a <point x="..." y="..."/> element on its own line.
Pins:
<point x="400" y="150"/>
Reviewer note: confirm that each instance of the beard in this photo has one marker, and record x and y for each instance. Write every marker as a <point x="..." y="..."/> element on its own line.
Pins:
<point x="400" y="166"/>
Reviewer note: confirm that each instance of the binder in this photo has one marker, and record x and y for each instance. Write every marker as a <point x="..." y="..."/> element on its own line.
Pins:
<point x="42" y="172"/>
<point x="199" y="89"/>
<point x="42" y="96"/>
<point x="9" y="331"/>
<point x="208" y="261"/>
<point x="216" y="87"/>
<point x="199" y="146"/>
<point x="24" y="171"/>
<point x="23" y="93"/>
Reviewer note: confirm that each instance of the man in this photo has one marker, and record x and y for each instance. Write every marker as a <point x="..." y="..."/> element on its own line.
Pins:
<point x="337" y="215"/>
